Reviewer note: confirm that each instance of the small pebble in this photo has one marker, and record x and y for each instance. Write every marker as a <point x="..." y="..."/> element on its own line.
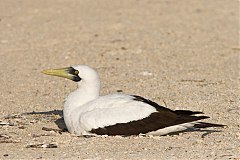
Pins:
<point x="238" y="135"/>
<point x="21" y="127"/>
<point x="146" y="73"/>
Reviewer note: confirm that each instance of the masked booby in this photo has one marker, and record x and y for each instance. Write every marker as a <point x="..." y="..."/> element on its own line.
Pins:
<point x="85" y="112"/>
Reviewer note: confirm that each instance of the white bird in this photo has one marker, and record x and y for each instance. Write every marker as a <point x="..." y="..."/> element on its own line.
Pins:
<point x="85" y="112"/>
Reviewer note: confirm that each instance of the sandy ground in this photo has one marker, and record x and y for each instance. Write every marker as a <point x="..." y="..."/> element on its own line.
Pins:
<point x="184" y="53"/>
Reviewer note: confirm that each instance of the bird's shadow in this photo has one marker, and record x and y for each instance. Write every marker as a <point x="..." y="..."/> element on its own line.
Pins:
<point x="205" y="132"/>
<point x="59" y="122"/>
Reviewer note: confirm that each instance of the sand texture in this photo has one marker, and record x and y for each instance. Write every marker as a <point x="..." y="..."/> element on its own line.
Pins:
<point x="184" y="54"/>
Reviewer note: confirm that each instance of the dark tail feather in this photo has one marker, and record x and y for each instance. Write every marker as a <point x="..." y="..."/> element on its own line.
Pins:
<point x="187" y="112"/>
<point x="206" y="125"/>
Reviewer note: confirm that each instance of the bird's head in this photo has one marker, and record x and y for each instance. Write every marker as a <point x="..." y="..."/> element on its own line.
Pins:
<point x="75" y="73"/>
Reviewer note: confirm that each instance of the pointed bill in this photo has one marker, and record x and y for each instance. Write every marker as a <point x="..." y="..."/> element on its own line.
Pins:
<point x="62" y="72"/>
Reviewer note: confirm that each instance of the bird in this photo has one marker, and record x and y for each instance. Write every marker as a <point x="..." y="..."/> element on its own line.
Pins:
<point x="86" y="113"/>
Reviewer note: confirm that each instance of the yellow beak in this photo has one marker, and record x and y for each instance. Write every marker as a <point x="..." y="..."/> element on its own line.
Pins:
<point x="62" y="72"/>
<point x="69" y="73"/>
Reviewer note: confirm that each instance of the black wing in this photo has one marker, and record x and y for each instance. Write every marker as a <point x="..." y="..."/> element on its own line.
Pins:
<point x="163" y="118"/>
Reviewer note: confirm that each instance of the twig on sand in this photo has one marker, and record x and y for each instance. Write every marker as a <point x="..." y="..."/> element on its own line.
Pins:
<point x="41" y="145"/>
<point x="192" y="80"/>
<point x="165" y="103"/>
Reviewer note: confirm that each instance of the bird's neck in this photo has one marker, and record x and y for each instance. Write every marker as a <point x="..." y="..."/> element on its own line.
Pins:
<point x="86" y="92"/>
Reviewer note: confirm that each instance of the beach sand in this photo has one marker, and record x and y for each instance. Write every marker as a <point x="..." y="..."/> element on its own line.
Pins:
<point x="183" y="54"/>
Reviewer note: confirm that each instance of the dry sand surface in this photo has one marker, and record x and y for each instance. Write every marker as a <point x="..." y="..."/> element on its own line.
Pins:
<point x="184" y="53"/>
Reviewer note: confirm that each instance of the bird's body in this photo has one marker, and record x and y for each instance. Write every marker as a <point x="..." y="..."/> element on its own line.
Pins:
<point x="87" y="113"/>
<point x="104" y="111"/>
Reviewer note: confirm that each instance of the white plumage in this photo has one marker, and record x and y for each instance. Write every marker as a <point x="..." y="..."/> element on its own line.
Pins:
<point x="106" y="111"/>
<point x="87" y="113"/>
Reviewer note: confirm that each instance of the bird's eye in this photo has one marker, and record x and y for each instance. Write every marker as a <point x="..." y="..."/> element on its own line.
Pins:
<point x="76" y="72"/>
